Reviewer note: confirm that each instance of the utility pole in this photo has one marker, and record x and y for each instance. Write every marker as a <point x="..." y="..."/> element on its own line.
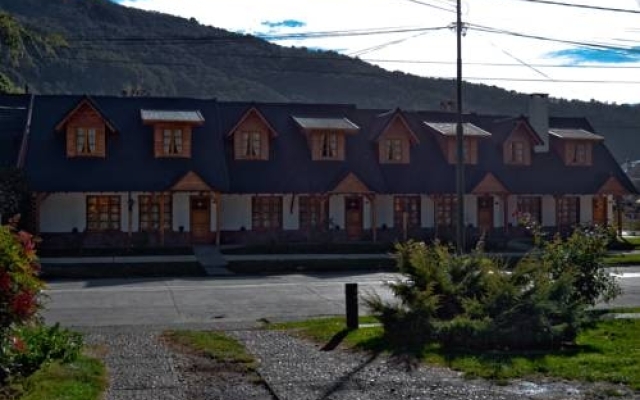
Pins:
<point x="460" y="235"/>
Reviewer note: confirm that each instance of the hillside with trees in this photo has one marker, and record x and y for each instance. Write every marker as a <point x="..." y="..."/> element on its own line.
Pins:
<point x="99" y="47"/>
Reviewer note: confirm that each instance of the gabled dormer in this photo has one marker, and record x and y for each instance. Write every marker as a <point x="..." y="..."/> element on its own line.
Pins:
<point x="518" y="147"/>
<point x="446" y="136"/>
<point x="172" y="131"/>
<point x="251" y="136"/>
<point x="326" y="136"/>
<point x="86" y="129"/>
<point x="575" y="146"/>
<point x="394" y="139"/>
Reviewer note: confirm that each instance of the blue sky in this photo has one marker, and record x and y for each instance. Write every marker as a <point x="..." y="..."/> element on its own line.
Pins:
<point x="607" y="71"/>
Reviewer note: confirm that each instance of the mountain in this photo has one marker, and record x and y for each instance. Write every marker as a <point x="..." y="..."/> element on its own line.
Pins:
<point x="111" y="49"/>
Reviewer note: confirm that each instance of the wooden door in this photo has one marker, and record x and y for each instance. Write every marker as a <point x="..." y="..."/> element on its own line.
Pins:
<point x="600" y="210"/>
<point x="485" y="213"/>
<point x="200" y="218"/>
<point x="353" y="216"/>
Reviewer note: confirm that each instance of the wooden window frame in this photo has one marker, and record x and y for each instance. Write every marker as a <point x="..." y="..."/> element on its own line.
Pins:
<point x="149" y="213"/>
<point x="329" y="145"/>
<point x="313" y="212"/>
<point x="172" y="141"/>
<point x="531" y="205"/>
<point x="411" y="205"/>
<point x="517" y="152"/>
<point x="580" y="154"/>
<point x="445" y="211"/>
<point x="252" y="147"/>
<point x="393" y="153"/>
<point x="567" y="211"/>
<point x="103" y="209"/>
<point x="86" y="141"/>
<point x="266" y="213"/>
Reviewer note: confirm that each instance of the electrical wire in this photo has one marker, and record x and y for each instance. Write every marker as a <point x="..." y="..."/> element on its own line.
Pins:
<point x="584" y="6"/>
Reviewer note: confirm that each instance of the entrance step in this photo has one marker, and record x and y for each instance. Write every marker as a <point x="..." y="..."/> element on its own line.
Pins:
<point x="211" y="259"/>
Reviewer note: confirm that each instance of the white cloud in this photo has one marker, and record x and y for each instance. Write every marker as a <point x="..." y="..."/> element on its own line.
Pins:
<point x="512" y="15"/>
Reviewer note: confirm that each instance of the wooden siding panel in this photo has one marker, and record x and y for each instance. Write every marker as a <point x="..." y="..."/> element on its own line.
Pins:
<point x="191" y="182"/>
<point x="86" y="117"/>
<point x="253" y="123"/>
<point x="518" y="135"/>
<point x="351" y="184"/>
<point x="158" y="140"/>
<point x="71" y="142"/>
<point x="472" y="150"/>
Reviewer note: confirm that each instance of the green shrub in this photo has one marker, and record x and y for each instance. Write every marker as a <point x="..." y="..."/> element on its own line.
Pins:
<point x="33" y="346"/>
<point x="469" y="301"/>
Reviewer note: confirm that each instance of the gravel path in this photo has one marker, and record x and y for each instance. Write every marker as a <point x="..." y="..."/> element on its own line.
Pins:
<point x="296" y="370"/>
<point x="142" y="367"/>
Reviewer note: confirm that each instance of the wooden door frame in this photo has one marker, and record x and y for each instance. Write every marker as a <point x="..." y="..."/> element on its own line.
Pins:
<point x="207" y="237"/>
<point x="361" y="211"/>
<point x="492" y="222"/>
<point x="605" y="201"/>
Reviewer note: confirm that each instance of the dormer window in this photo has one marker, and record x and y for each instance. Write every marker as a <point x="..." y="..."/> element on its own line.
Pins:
<point x="86" y="141"/>
<point x="447" y="139"/>
<point x="172" y="131"/>
<point x="86" y="128"/>
<point x="393" y="150"/>
<point x="580" y="153"/>
<point x="329" y="142"/>
<point x="172" y="141"/>
<point x="252" y="145"/>
<point x="251" y="136"/>
<point x="574" y="145"/>
<point x="517" y="152"/>
<point x="394" y="138"/>
<point x="326" y="136"/>
<point x="519" y="144"/>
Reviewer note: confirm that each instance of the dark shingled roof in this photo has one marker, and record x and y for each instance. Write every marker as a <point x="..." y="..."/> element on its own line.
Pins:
<point x="130" y="163"/>
<point x="290" y="168"/>
<point x="13" y="119"/>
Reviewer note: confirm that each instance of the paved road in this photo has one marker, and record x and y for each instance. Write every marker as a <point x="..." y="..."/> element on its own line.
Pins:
<point x="112" y="302"/>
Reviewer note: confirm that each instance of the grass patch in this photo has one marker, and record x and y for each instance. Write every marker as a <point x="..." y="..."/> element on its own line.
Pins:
<point x="631" y="240"/>
<point x="608" y="352"/>
<point x="623" y="259"/>
<point x="83" y="379"/>
<point x="215" y="345"/>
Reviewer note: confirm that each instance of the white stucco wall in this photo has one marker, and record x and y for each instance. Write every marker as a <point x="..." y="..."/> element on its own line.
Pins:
<point x="548" y="211"/>
<point x="290" y="212"/>
<point x="236" y="212"/>
<point x="61" y="212"/>
<point x="586" y="209"/>
<point x="498" y="214"/>
<point x="336" y="210"/>
<point x="181" y="211"/>
<point x="470" y="210"/>
<point x="512" y="205"/>
<point x="428" y="211"/>
<point x="366" y="213"/>
<point x="384" y="210"/>
<point x="611" y="216"/>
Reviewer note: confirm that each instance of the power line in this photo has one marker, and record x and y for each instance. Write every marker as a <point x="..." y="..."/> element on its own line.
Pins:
<point x="585" y="6"/>
<point x="422" y="3"/>
<point x="238" y="37"/>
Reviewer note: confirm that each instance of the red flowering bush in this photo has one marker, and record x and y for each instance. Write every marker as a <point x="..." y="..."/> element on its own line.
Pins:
<point x="20" y="290"/>
<point x="19" y="282"/>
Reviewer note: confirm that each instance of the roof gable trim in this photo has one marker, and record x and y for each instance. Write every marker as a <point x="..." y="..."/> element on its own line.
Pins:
<point x="86" y="101"/>
<point x="190" y="182"/>
<point x="489" y="185"/>
<point x="351" y="184"/>
<point x="413" y="138"/>
<point x="249" y="113"/>
<point x="613" y="186"/>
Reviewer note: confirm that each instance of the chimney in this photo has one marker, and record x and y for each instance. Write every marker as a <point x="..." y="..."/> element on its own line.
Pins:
<point x="539" y="119"/>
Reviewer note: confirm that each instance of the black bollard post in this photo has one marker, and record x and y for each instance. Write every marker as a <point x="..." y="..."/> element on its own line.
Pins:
<point x="351" y="301"/>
